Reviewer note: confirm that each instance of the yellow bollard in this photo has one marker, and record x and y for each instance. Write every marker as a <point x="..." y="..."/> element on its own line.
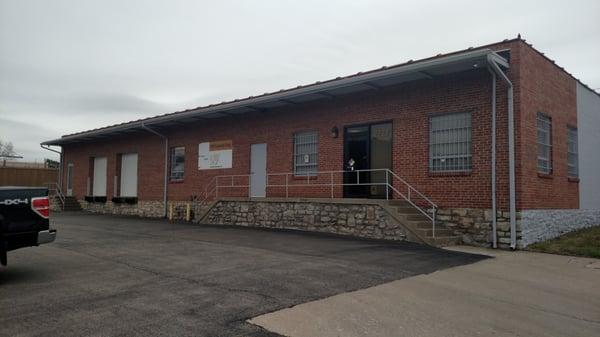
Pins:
<point x="170" y="212"/>
<point x="187" y="212"/>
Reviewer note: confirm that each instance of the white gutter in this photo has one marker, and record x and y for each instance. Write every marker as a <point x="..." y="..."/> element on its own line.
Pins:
<point x="166" y="178"/>
<point x="511" y="152"/>
<point x="391" y="72"/>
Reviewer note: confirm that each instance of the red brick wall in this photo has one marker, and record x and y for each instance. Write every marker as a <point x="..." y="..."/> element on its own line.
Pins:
<point x="545" y="88"/>
<point x="150" y="155"/>
<point x="408" y="107"/>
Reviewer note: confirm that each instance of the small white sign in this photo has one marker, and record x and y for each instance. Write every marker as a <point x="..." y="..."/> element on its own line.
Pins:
<point x="215" y="155"/>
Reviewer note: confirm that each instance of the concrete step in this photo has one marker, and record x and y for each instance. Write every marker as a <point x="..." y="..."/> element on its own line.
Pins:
<point x="71" y="204"/>
<point x="407" y="210"/>
<point x="421" y="226"/>
<point x="444" y="240"/>
<point x="399" y="202"/>
<point x="428" y="232"/>
<point x="416" y="217"/>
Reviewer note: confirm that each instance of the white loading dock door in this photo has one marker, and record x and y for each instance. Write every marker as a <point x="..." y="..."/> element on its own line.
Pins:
<point x="129" y="174"/>
<point x="258" y="170"/>
<point x="99" y="185"/>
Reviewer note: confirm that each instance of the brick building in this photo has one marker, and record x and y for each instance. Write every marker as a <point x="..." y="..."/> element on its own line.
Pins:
<point x="495" y="145"/>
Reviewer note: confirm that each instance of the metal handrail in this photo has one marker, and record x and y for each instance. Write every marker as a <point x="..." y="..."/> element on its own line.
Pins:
<point x="410" y="193"/>
<point x="58" y="192"/>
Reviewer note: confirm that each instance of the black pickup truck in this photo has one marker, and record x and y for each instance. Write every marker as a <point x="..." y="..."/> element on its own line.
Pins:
<point x="24" y="213"/>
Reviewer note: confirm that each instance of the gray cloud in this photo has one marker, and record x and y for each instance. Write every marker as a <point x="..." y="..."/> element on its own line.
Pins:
<point x="75" y="65"/>
<point x="25" y="140"/>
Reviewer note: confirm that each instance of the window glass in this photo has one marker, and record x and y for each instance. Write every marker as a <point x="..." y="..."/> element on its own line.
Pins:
<point x="177" y="163"/>
<point x="544" y="136"/>
<point x="305" y="153"/>
<point x="572" y="152"/>
<point x="450" y="142"/>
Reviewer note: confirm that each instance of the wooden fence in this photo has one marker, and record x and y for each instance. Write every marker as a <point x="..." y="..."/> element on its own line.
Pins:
<point x="19" y="176"/>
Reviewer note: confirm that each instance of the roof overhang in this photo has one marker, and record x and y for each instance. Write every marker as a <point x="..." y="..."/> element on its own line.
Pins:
<point x="372" y="80"/>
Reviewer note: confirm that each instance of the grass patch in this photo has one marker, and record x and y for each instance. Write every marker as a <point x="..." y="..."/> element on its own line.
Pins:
<point x="584" y="242"/>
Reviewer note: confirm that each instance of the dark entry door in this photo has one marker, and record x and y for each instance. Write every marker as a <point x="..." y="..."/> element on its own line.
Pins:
<point x="367" y="147"/>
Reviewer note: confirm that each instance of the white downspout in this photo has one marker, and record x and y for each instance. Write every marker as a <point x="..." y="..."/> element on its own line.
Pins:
<point x="494" y="212"/>
<point x="166" y="178"/>
<point x="511" y="153"/>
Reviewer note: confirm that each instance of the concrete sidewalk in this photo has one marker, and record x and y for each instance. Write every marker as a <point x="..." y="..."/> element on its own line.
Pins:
<point x="515" y="294"/>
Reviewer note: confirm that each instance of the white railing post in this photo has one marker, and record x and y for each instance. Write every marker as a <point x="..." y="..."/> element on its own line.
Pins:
<point x="387" y="184"/>
<point x="212" y="189"/>
<point x="433" y="224"/>
<point x="331" y="182"/>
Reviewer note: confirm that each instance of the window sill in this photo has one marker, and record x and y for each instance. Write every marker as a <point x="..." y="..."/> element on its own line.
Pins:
<point x="573" y="179"/>
<point x="176" y="181"/>
<point x="545" y="175"/>
<point x="450" y="173"/>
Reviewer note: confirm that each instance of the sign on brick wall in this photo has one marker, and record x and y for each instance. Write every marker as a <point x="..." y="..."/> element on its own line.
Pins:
<point x="215" y="155"/>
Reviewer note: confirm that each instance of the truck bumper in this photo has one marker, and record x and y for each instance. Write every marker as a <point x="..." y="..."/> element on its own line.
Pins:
<point x="46" y="236"/>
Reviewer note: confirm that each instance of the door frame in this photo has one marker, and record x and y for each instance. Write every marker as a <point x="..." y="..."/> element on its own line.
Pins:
<point x="252" y="174"/>
<point x="69" y="182"/>
<point x="345" y="147"/>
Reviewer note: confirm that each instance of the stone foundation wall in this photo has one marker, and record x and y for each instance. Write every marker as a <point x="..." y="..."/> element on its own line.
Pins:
<point x="55" y="205"/>
<point x="150" y="209"/>
<point x="474" y="225"/>
<point x="361" y="220"/>
<point x="540" y="225"/>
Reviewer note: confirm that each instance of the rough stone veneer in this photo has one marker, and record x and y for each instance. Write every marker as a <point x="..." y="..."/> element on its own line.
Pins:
<point x="540" y="225"/>
<point x="151" y="209"/>
<point x="361" y="220"/>
<point x="474" y="225"/>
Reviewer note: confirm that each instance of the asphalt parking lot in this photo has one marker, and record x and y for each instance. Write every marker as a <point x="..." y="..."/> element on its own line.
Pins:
<point x="120" y="276"/>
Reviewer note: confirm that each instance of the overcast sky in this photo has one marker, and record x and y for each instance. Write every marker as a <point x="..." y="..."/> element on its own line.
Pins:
<point x="73" y="65"/>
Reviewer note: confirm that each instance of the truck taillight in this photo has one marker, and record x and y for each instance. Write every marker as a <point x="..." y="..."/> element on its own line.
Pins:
<point x="41" y="206"/>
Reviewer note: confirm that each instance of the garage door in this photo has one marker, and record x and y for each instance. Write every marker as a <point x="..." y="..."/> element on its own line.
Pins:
<point x="99" y="186"/>
<point x="129" y="168"/>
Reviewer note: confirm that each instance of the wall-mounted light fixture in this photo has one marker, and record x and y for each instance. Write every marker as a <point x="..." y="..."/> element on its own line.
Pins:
<point x="334" y="132"/>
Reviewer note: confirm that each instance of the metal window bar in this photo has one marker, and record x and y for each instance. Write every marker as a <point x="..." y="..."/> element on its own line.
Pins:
<point x="450" y="142"/>
<point x="544" y="143"/>
<point x="305" y="153"/>
<point x="177" y="166"/>
<point x="572" y="152"/>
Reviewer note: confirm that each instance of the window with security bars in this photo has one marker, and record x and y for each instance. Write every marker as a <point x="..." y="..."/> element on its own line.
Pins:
<point x="305" y="153"/>
<point x="177" y="163"/>
<point x="450" y="142"/>
<point x="572" y="152"/>
<point x="544" y="143"/>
